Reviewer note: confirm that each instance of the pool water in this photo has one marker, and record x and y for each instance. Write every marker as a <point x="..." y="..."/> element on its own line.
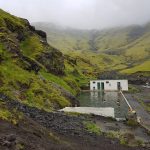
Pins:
<point x="104" y="99"/>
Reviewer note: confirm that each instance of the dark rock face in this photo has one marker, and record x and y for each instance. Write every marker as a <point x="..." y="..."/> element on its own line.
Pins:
<point x="17" y="29"/>
<point x="41" y="33"/>
<point x="10" y="25"/>
<point x="53" y="61"/>
<point x="20" y="36"/>
<point x="30" y="64"/>
<point x="32" y="28"/>
<point x="138" y="79"/>
<point x="111" y="75"/>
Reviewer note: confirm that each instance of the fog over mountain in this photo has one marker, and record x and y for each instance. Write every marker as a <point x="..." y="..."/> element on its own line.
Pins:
<point x="83" y="14"/>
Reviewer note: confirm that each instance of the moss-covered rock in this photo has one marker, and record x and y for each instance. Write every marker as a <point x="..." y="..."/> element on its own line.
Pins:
<point x="53" y="61"/>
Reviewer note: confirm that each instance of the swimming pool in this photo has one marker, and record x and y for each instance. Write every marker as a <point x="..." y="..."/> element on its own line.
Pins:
<point x="103" y="99"/>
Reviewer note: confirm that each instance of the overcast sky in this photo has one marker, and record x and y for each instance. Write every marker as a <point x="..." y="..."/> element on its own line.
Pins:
<point x="85" y="14"/>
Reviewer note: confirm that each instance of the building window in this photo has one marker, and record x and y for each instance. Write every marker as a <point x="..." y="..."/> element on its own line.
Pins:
<point x="107" y="81"/>
<point x="93" y="88"/>
<point x="93" y="82"/>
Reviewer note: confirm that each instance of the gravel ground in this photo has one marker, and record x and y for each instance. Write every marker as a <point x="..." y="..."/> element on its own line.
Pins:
<point x="67" y="128"/>
<point x="144" y="95"/>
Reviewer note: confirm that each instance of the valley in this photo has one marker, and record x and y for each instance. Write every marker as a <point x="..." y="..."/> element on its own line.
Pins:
<point x="44" y="69"/>
<point x="124" y="49"/>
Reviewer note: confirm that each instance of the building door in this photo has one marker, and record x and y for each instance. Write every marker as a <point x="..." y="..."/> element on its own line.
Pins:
<point x="118" y="85"/>
<point x="102" y="85"/>
<point x="98" y="86"/>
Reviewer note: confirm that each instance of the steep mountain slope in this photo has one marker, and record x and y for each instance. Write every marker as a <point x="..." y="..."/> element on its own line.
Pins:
<point x="125" y="47"/>
<point x="66" y="39"/>
<point x="31" y="71"/>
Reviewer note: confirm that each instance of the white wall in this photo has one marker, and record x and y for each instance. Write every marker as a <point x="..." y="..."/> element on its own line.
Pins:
<point x="110" y="84"/>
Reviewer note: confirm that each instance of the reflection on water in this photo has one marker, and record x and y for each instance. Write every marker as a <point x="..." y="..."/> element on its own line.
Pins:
<point x="104" y="99"/>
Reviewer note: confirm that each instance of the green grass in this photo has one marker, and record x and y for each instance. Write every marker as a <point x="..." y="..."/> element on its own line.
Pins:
<point x="15" y="22"/>
<point x="5" y="114"/>
<point x="23" y="85"/>
<point x="125" y="138"/>
<point x="12" y="116"/>
<point x="113" y="134"/>
<point x="36" y="94"/>
<point x="142" y="67"/>
<point x="112" y="39"/>
<point x="32" y="46"/>
<point x="92" y="127"/>
<point x="58" y="80"/>
<point x="133" y="89"/>
<point x="132" y="123"/>
<point x="145" y="105"/>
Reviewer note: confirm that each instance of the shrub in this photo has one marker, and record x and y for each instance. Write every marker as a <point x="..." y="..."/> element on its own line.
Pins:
<point x="92" y="127"/>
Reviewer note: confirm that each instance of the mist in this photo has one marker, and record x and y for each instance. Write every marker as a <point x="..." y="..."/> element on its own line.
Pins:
<point x="81" y="14"/>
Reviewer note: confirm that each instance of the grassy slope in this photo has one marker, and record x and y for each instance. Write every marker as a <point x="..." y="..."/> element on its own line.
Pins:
<point x="130" y="46"/>
<point x="142" y="67"/>
<point x="34" y="44"/>
<point x="65" y="39"/>
<point x="112" y="39"/>
<point x="18" y="82"/>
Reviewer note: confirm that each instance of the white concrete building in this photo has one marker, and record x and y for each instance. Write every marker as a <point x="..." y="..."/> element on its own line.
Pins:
<point x="109" y="85"/>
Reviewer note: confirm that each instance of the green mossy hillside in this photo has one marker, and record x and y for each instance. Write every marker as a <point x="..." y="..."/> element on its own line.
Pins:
<point x="30" y="68"/>
<point x="27" y="87"/>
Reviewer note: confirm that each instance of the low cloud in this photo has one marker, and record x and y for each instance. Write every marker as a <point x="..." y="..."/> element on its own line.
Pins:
<point x="85" y="14"/>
